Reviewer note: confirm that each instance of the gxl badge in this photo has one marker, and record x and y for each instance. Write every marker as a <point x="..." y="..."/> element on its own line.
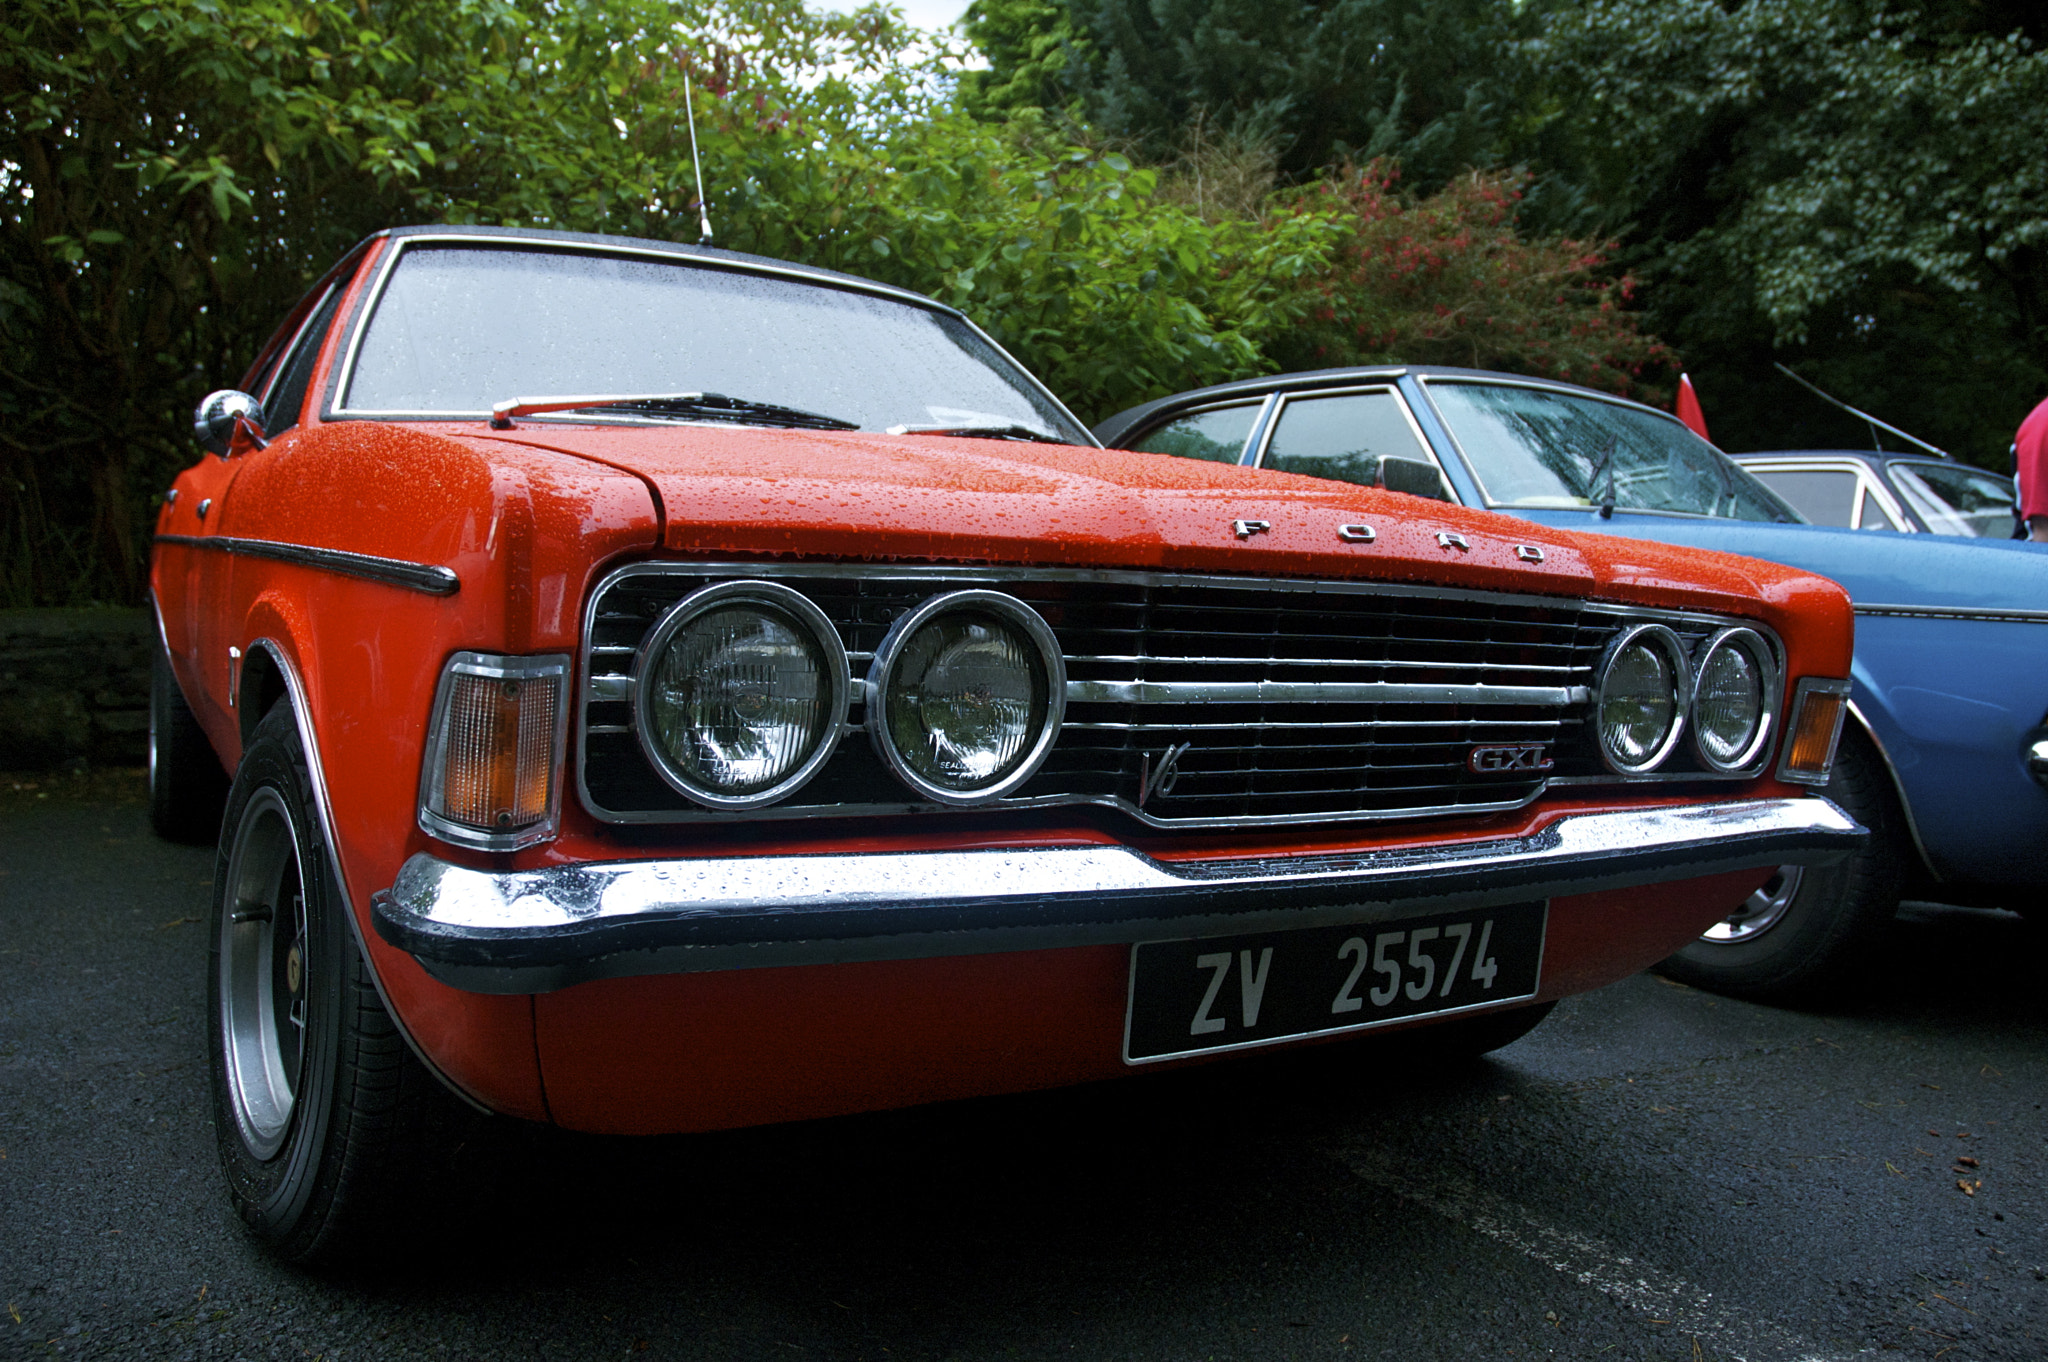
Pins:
<point x="1498" y="761"/>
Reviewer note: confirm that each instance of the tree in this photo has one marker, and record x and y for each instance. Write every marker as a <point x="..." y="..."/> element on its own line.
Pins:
<point x="1424" y="81"/>
<point x="1446" y="279"/>
<point x="172" y="175"/>
<point x="1854" y="188"/>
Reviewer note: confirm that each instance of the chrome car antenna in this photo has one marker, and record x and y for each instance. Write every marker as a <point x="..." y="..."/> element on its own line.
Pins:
<point x="1875" y="424"/>
<point x="703" y="210"/>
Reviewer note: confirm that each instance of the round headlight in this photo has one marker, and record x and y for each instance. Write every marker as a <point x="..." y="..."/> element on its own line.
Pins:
<point x="966" y="695"/>
<point x="1643" y="689"/>
<point x="741" y="693"/>
<point x="1732" y="699"/>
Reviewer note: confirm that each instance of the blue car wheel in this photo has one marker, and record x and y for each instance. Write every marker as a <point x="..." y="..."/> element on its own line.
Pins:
<point x="1809" y="934"/>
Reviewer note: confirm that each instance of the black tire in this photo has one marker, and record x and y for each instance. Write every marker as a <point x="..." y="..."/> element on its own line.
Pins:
<point x="318" y="1103"/>
<point x="1808" y="936"/>
<point x="187" y="787"/>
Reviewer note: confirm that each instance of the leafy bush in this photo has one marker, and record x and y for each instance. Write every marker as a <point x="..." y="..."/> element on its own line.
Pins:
<point x="1446" y="280"/>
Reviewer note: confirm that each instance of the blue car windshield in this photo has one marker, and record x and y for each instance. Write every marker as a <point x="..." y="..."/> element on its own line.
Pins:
<point x="1537" y="447"/>
<point x="458" y="329"/>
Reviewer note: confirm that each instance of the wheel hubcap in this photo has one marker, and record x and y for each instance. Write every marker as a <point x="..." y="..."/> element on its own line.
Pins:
<point x="1760" y="911"/>
<point x="264" y="966"/>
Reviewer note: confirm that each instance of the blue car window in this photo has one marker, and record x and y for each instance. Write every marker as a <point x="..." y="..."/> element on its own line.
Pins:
<point x="1956" y="500"/>
<point x="1825" y="496"/>
<point x="1217" y="435"/>
<point x="1536" y="447"/>
<point x="1344" y="436"/>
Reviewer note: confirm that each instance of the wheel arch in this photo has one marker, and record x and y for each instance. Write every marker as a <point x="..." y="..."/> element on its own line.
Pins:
<point x="1923" y="863"/>
<point x="270" y="676"/>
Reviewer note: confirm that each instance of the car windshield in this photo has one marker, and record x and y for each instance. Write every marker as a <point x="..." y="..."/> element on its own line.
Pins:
<point x="1536" y="447"/>
<point x="459" y="329"/>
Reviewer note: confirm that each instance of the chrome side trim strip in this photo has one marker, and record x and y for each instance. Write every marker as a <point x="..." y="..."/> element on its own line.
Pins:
<point x="302" y="716"/>
<point x="422" y="577"/>
<point x="537" y="930"/>
<point x="1955" y="612"/>
<point x="1318" y="692"/>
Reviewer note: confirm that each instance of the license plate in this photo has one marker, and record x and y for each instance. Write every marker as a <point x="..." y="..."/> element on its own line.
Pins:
<point x="1228" y="992"/>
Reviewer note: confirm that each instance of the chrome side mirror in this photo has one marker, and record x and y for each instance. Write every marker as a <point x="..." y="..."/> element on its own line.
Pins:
<point x="213" y="421"/>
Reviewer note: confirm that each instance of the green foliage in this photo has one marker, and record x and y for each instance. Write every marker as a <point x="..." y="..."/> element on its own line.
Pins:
<point x="1035" y="56"/>
<point x="1446" y="280"/>
<point x="1857" y="189"/>
<point x="1424" y="81"/>
<point x="173" y="175"/>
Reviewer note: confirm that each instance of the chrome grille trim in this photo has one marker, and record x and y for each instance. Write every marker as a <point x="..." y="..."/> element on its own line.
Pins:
<point x="1155" y="659"/>
<point x="1316" y="692"/>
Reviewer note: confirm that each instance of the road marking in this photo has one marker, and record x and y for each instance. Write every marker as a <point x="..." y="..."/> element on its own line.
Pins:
<point x="1659" y="1295"/>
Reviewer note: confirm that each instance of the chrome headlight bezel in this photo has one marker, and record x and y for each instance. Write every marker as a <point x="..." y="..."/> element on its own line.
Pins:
<point x="1765" y="659"/>
<point x="881" y="678"/>
<point x="771" y="598"/>
<point x="1665" y="641"/>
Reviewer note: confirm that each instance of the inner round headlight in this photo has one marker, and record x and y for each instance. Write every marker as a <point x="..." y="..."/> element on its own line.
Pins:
<point x="1732" y="699"/>
<point x="742" y="689"/>
<point x="1642" y="699"/>
<point x="966" y="696"/>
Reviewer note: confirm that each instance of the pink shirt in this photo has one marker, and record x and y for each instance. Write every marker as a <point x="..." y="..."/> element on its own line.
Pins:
<point x="2033" y="462"/>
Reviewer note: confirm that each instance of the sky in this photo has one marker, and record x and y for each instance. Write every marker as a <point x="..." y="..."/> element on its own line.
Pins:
<point x="923" y="13"/>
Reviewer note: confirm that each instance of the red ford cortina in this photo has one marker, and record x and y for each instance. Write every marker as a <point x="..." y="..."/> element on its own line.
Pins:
<point x="668" y="690"/>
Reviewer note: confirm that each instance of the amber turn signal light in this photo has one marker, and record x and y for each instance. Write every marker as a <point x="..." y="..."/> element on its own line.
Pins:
<point x="494" y="751"/>
<point x="1818" y="707"/>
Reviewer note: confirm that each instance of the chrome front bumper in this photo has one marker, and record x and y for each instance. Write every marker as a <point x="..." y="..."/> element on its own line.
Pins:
<point x="532" y="931"/>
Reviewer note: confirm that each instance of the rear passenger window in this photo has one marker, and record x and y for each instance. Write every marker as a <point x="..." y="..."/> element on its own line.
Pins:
<point x="1823" y="496"/>
<point x="1217" y="435"/>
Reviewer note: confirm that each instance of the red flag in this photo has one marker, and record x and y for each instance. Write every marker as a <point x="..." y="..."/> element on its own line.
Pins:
<point x="1688" y="408"/>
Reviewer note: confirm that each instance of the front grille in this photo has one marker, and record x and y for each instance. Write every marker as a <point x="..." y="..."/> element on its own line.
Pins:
<point x="1191" y="701"/>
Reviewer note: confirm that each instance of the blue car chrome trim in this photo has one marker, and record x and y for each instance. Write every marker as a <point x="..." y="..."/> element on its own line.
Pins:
<point x="422" y="577"/>
<point x="1956" y="612"/>
<point x="532" y="931"/>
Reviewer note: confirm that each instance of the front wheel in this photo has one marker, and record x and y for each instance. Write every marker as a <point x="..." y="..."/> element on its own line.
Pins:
<point x="1809" y="933"/>
<point x="316" y="1097"/>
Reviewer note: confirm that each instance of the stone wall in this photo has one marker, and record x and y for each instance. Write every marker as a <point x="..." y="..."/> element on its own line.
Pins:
<point x="74" y="688"/>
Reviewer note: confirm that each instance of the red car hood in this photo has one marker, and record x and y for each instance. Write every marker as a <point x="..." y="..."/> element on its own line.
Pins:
<point x="858" y="495"/>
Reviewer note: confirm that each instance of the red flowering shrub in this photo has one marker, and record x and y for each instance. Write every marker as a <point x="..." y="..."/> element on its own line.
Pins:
<point x="1446" y="280"/>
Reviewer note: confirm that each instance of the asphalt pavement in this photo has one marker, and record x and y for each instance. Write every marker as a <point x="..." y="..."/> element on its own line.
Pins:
<point x="1655" y="1173"/>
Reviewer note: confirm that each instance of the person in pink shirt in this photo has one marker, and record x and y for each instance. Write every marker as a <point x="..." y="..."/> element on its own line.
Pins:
<point x="2030" y="456"/>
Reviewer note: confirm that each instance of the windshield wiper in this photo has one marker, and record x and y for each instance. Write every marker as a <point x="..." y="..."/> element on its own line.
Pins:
<point x="1606" y="465"/>
<point x="708" y="406"/>
<point x="1010" y="432"/>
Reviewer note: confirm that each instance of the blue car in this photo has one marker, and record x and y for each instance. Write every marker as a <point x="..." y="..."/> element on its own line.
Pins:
<point x="1945" y="756"/>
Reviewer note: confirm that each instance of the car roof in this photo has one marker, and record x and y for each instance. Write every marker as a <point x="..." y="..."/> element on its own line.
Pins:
<point x="716" y="256"/>
<point x="1112" y="428"/>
